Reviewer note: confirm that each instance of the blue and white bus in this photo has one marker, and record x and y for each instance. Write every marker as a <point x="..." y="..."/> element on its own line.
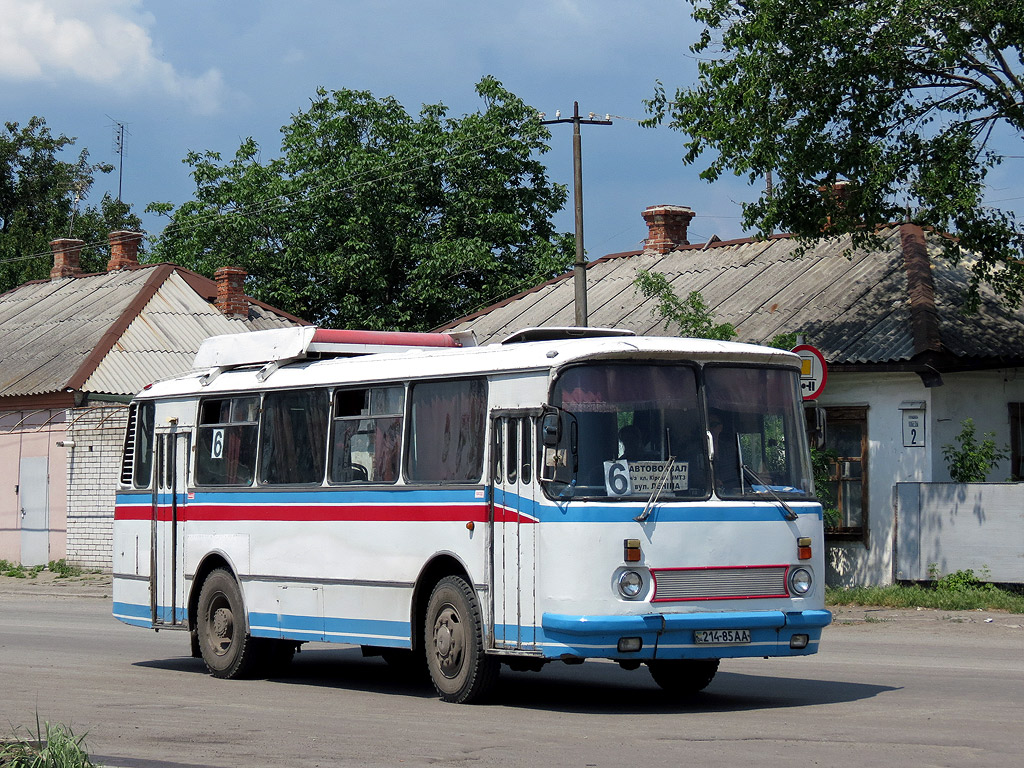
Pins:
<point x="567" y="494"/>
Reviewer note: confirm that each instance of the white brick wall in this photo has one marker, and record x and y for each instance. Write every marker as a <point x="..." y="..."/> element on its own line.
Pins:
<point x="93" y="471"/>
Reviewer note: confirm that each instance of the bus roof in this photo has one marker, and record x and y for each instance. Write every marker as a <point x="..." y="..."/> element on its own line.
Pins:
<point x="435" y="362"/>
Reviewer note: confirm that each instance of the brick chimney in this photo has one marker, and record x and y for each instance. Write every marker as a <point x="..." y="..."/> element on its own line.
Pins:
<point x="666" y="227"/>
<point x="838" y="193"/>
<point x="67" y="254"/>
<point x="231" y="298"/>
<point x="124" y="250"/>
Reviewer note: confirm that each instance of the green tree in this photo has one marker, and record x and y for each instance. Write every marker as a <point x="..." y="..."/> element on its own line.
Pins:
<point x="691" y="316"/>
<point x="905" y="99"/>
<point x="372" y="218"/>
<point x="40" y="195"/>
<point x="971" y="461"/>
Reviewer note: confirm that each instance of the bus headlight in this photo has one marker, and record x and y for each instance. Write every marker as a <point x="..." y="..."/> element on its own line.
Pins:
<point x="800" y="581"/>
<point x="630" y="584"/>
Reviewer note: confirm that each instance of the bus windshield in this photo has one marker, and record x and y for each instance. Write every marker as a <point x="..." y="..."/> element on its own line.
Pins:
<point x="639" y="430"/>
<point x="758" y="433"/>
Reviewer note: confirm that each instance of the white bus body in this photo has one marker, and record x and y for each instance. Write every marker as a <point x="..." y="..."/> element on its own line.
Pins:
<point x="519" y="503"/>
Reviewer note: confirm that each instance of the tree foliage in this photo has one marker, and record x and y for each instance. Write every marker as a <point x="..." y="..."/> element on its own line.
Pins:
<point x="906" y="99"/>
<point x="971" y="461"/>
<point x="691" y="316"/>
<point x="372" y="218"/>
<point x="40" y="201"/>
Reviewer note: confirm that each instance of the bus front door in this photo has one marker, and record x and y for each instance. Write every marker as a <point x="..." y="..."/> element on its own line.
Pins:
<point x="514" y="532"/>
<point x="166" y="586"/>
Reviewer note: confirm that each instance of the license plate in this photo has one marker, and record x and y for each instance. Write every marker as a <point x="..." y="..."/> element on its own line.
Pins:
<point x="721" y="636"/>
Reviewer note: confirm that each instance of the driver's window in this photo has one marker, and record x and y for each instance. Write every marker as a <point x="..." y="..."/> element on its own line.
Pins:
<point x="366" y="434"/>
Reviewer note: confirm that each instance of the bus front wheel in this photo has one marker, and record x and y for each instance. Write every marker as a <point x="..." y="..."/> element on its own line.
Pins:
<point x="459" y="668"/>
<point x="683" y="676"/>
<point x="227" y="649"/>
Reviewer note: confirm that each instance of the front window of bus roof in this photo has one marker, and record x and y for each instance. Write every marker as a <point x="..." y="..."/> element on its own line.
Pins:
<point x="756" y="421"/>
<point x="628" y="430"/>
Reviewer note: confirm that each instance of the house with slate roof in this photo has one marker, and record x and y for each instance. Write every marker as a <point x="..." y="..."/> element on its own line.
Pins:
<point x="73" y="351"/>
<point x="906" y="365"/>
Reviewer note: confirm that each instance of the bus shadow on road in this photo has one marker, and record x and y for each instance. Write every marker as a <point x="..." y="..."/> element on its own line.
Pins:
<point x="594" y="687"/>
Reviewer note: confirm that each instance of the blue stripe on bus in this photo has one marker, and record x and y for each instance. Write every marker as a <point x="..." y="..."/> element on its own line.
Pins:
<point x="544" y="512"/>
<point x="663" y="635"/>
<point x="142" y="615"/>
<point x="380" y="632"/>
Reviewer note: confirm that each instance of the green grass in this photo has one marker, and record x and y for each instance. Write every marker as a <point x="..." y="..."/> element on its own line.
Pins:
<point x="63" y="569"/>
<point x="984" y="597"/>
<point x="51" y="746"/>
<point x="59" y="567"/>
<point x="18" y="571"/>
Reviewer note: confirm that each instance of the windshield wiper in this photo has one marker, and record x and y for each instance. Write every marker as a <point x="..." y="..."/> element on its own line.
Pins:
<point x="787" y="511"/>
<point x="657" y="491"/>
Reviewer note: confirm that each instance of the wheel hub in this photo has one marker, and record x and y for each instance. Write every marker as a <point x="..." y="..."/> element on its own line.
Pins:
<point x="448" y="642"/>
<point x="223" y="627"/>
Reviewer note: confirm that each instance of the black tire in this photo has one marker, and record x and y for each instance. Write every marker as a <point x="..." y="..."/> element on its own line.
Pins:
<point x="227" y="649"/>
<point x="683" y="677"/>
<point x="453" y="639"/>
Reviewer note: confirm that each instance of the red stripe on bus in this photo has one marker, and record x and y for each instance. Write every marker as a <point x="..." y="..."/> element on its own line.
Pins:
<point x="354" y="512"/>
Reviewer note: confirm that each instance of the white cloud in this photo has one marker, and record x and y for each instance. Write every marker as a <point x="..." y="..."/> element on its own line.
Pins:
<point x="104" y="43"/>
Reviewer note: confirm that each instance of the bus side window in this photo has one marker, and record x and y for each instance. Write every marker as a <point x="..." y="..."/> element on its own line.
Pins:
<point x="446" y="440"/>
<point x="366" y="434"/>
<point x="137" y="460"/>
<point x="293" y="443"/>
<point x="526" y="455"/>
<point x="226" y="441"/>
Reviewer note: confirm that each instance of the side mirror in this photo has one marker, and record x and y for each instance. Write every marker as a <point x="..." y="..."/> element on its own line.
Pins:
<point x="551" y="429"/>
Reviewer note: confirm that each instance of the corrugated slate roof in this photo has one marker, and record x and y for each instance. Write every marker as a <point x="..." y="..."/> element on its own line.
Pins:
<point x="113" y="332"/>
<point x="856" y="305"/>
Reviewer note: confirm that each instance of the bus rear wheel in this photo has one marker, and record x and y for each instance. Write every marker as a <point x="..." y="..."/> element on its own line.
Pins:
<point x="459" y="668"/>
<point x="227" y="649"/>
<point x="683" y="677"/>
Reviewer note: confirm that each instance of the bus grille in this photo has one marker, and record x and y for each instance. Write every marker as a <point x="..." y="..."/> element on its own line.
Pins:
<point x="719" y="583"/>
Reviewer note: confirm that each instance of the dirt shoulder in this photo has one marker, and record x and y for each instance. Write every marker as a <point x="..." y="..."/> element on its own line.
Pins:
<point x="47" y="584"/>
<point x="857" y="616"/>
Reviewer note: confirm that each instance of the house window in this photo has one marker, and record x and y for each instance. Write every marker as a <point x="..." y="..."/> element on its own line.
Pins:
<point x="1017" y="440"/>
<point x="846" y="444"/>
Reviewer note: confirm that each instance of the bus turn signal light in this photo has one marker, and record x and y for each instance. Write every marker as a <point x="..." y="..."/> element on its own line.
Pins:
<point x="803" y="548"/>
<point x="631" y="550"/>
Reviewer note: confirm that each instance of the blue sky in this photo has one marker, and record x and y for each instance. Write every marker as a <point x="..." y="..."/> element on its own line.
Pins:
<point x="203" y="75"/>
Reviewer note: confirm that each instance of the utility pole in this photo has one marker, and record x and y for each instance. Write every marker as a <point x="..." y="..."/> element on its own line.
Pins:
<point x="118" y="146"/>
<point x="579" y="269"/>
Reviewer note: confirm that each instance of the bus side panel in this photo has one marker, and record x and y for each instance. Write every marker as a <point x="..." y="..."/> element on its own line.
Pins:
<point x="131" y="558"/>
<point x="333" y="565"/>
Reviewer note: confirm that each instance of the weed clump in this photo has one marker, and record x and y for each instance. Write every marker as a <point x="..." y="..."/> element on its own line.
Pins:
<point x="51" y="746"/>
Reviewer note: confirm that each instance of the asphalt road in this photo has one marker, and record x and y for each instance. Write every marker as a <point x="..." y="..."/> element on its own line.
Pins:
<point x="888" y="688"/>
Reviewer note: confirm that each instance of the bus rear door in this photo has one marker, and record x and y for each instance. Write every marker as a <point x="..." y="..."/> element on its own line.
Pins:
<point x="514" y="530"/>
<point x="166" y="585"/>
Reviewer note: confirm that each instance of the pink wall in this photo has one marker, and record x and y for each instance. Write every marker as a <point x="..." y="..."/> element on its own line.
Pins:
<point x="27" y="434"/>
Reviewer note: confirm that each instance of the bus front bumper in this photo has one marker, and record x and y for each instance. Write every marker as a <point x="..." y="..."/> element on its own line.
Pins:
<point x="736" y="634"/>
